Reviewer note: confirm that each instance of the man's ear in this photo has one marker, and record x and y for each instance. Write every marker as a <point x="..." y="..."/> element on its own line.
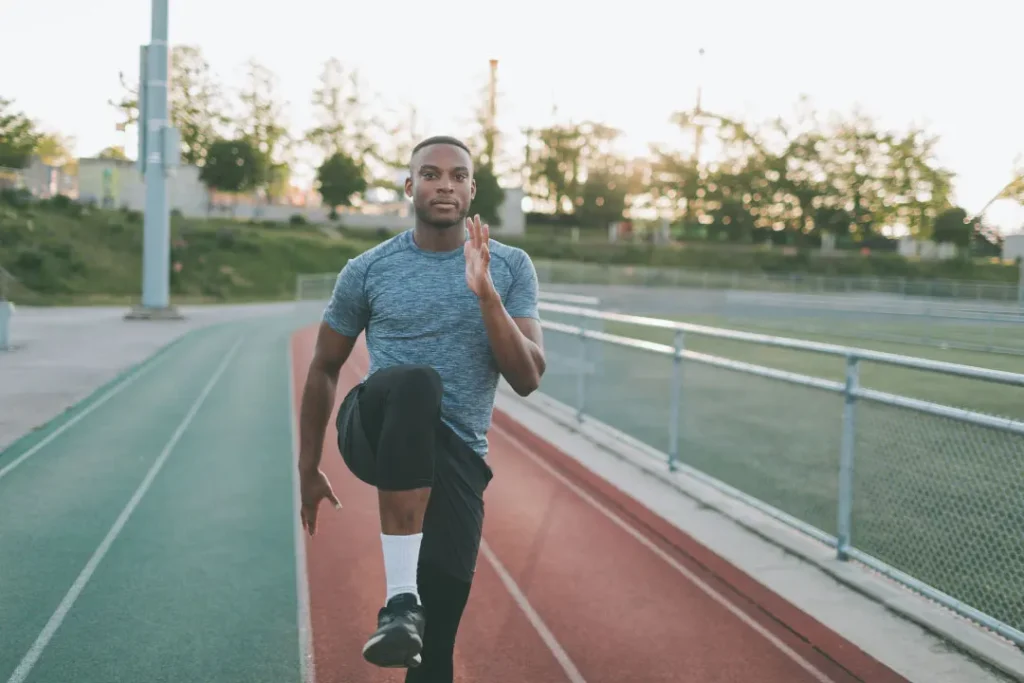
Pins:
<point x="408" y="186"/>
<point x="472" y="190"/>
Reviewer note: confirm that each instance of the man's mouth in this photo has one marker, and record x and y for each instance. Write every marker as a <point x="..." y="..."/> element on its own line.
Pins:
<point x="444" y="202"/>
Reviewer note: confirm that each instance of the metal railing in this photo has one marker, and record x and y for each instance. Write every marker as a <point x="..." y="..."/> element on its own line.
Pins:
<point x="578" y="273"/>
<point x="927" y="494"/>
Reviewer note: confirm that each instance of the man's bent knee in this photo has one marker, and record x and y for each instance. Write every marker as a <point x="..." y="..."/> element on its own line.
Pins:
<point x="419" y="384"/>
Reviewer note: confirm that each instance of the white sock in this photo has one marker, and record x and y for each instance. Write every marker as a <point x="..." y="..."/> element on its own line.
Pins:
<point x="401" y="559"/>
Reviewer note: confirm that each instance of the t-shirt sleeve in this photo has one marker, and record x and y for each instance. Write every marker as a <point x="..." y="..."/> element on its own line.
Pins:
<point x="348" y="311"/>
<point x="521" y="300"/>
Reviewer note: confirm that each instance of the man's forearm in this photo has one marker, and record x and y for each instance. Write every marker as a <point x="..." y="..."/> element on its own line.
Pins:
<point x="520" y="360"/>
<point x="317" y="402"/>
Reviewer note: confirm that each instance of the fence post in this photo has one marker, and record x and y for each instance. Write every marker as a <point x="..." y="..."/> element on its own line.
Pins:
<point x="581" y="376"/>
<point x="675" y="401"/>
<point x="846" y="450"/>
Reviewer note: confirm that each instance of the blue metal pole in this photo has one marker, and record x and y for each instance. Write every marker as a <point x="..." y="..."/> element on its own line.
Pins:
<point x="844" y="520"/>
<point x="157" y="238"/>
<point x="159" y="151"/>
<point x="675" y="401"/>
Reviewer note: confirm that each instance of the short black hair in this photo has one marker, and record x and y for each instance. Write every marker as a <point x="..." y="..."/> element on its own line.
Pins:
<point x="439" y="140"/>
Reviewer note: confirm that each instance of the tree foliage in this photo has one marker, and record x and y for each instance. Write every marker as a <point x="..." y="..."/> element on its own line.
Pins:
<point x="232" y="166"/>
<point x="18" y="136"/>
<point x="338" y="179"/>
<point x="489" y="195"/>
<point x="344" y="123"/>
<point x="262" y="125"/>
<point x="783" y="181"/>
<point x="197" y="108"/>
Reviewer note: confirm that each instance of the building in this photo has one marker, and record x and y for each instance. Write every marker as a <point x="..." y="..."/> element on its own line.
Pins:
<point x="117" y="183"/>
<point x="1013" y="246"/>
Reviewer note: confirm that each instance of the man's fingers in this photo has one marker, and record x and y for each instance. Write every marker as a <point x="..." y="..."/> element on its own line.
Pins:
<point x="311" y="520"/>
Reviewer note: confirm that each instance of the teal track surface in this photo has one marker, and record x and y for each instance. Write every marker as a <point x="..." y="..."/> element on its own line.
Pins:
<point x="154" y="539"/>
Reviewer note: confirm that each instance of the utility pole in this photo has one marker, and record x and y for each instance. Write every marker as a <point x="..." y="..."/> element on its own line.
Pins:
<point x="158" y="157"/>
<point x="491" y="130"/>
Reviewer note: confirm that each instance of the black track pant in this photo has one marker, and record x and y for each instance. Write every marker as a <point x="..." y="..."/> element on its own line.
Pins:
<point x="391" y="436"/>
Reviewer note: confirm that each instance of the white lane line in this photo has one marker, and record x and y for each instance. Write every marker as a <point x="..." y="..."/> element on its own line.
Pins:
<point x="542" y="629"/>
<point x="307" y="666"/>
<point x="647" y="543"/>
<point x="111" y="393"/>
<point x="34" y="652"/>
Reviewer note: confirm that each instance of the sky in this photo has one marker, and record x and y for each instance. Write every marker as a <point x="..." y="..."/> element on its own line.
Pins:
<point x="628" y="65"/>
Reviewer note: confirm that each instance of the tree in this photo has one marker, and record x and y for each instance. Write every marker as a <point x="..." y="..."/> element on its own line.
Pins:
<point x="343" y="123"/>
<point x="489" y="195"/>
<point x="953" y="226"/>
<point x="18" y="136"/>
<point x="195" y="106"/>
<point x="232" y="166"/>
<point x="559" y="157"/>
<point x="339" y="178"/>
<point x="113" y="152"/>
<point x="54" y="149"/>
<point x="128" y="105"/>
<point x="261" y="124"/>
<point x="1015" y="188"/>
<point x="195" y="103"/>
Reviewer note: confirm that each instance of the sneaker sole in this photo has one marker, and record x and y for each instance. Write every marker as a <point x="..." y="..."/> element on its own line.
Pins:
<point x="397" y="649"/>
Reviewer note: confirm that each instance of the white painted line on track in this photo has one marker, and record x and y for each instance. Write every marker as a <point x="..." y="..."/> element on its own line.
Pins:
<point x="307" y="665"/>
<point x="538" y="624"/>
<point x="675" y="564"/>
<point x="36" y="650"/>
<point x="110" y="393"/>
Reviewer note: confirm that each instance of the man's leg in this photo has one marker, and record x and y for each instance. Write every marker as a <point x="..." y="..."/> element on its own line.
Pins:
<point x="444" y="599"/>
<point x="398" y="413"/>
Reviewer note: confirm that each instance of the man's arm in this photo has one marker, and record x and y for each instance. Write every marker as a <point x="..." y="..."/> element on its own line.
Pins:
<point x="517" y="343"/>
<point x="344" y="319"/>
<point x="331" y="352"/>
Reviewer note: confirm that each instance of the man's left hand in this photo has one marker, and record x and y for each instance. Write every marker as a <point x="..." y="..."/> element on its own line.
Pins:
<point x="478" y="258"/>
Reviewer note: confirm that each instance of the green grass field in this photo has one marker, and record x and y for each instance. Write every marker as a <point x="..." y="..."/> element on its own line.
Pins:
<point x="938" y="498"/>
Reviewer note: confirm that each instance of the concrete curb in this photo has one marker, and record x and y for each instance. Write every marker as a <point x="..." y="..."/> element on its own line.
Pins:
<point x="959" y="632"/>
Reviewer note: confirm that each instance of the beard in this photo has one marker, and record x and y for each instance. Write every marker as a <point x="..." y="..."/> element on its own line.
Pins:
<point x="442" y="221"/>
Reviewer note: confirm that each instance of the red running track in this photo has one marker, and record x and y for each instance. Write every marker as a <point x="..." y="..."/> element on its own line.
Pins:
<point x="576" y="583"/>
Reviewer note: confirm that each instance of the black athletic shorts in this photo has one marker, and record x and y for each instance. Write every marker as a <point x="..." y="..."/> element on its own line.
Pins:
<point x="453" y="523"/>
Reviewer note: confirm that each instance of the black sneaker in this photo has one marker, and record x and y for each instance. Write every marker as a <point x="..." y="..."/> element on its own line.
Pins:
<point x="399" y="636"/>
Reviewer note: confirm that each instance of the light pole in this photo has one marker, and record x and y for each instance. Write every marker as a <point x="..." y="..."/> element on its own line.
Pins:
<point x="159" y="153"/>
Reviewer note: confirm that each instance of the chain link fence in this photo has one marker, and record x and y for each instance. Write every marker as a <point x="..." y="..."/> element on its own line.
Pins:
<point x="929" y="494"/>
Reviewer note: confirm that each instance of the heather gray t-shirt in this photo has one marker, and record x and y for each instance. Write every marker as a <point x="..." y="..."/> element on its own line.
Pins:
<point x="416" y="308"/>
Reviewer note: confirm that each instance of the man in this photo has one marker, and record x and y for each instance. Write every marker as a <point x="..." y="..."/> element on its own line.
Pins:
<point x="445" y="310"/>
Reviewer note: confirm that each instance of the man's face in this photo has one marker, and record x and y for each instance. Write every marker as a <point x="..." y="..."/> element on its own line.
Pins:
<point x="442" y="185"/>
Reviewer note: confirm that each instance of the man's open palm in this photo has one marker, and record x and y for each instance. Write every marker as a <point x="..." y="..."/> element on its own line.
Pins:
<point x="478" y="256"/>
<point x="314" y="488"/>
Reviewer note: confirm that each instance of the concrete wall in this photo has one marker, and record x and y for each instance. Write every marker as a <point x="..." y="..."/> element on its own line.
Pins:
<point x="1013" y="246"/>
<point x="117" y="183"/>
<point x="926" y="249"/>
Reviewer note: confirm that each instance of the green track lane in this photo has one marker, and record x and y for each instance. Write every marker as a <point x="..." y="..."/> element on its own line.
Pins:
<point x="58" y="504"/>
<point x="200" y="584"/>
